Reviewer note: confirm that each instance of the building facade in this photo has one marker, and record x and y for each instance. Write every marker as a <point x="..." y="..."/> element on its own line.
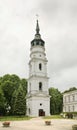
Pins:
<point x="38" y="99"/>
<point x="70" y="101"/>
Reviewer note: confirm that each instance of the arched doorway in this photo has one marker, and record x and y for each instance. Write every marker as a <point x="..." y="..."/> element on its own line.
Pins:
<point x="41" y="112"/>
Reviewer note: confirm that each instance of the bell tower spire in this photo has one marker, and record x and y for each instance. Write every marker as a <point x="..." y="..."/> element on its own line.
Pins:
<point x="37" y="41"/>
<point x="37" y="27"/>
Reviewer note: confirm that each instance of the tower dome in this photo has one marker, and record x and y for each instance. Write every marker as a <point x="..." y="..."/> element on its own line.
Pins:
<point x="37" y="41"/>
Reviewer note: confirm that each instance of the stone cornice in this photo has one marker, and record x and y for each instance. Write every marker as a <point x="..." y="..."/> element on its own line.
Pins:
<point x="37" y="76"/>
<point x="38" y="59"/>
<point x="38" y="95"/>
<point x="39" y="46"/>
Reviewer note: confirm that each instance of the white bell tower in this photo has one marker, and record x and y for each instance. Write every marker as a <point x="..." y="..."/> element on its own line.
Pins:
<point x="38" y="99"/>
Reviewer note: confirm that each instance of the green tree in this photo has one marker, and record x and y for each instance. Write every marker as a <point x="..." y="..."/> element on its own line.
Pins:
<point x="0" y="81"/>
<point x="55" y="101"/>
<point x="20" y="102"/>
<point x="14" y="95"/>
<point x="8" y="88"/>
<point x="5" y="78"/>
<point x="15" y="80"/>
<point x="70" y="89"/>
<point x="24" y="85"/>
<point x="2" y="103"/>
<point x="9" y="83"/>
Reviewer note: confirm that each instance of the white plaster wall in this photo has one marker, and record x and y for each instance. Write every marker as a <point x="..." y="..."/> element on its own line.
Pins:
<point x="70" y="103"/>
<point x="35" y="76"/>
<point x="39" y="55"/>
<point x="35" y="105"/>
<point x="37" y="49"/>
<point x="34" y="68"/>
<point x="33" y="84"/>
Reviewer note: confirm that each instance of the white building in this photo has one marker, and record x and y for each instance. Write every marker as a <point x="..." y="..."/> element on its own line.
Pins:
<point x="38" y="99"/>
<point x="70" y="101"/>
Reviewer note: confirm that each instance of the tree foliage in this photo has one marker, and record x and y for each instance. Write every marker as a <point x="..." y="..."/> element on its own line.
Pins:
<point x="8" y="89"/>
<point x="9" y="85"/>
<point x="70" y="89"/>
<point x="20" y="102"/>
<point x="24" y="85"/>
<point x="2" y="103"/>
<point x="55" y="101"/>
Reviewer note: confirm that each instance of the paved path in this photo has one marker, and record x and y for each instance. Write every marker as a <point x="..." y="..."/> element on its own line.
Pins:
<point x="39" y="124"/>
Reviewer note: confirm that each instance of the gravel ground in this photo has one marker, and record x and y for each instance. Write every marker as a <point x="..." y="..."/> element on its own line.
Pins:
<point x="39" y="124"/>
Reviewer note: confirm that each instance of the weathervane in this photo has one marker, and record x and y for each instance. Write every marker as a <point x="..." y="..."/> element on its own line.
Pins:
<point x="37" y="16"/>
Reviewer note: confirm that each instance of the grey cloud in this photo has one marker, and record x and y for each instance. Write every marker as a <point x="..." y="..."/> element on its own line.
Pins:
<point x="65" y="78"/>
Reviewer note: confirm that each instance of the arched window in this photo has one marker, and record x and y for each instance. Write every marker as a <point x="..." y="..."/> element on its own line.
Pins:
<point x="40" y="66"/>
<point x="40" y="86"/>
<point x="37" y="43"/>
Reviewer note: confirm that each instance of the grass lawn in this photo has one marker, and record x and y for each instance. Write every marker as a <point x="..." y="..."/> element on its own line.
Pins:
<point x="19" y="118"/>
<point x="14" y="118"/>
<point x="53" y="117"/>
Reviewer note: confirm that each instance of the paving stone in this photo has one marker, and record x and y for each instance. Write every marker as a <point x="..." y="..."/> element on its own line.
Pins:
<point x="39" y="124"/>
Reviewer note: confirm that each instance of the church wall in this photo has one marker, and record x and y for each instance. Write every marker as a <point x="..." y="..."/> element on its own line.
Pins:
<point x="35" y="105"/>
<point x="33" y="84"/>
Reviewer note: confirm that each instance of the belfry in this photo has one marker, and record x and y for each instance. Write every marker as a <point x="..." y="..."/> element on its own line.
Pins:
<point x="38" y="99"/>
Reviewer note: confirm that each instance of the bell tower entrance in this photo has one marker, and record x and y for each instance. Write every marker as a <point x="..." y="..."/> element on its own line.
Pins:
<point x="41" y="112"/>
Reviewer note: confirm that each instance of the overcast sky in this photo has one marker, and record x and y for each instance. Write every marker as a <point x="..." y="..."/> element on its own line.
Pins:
<point x="58" y="28"/>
